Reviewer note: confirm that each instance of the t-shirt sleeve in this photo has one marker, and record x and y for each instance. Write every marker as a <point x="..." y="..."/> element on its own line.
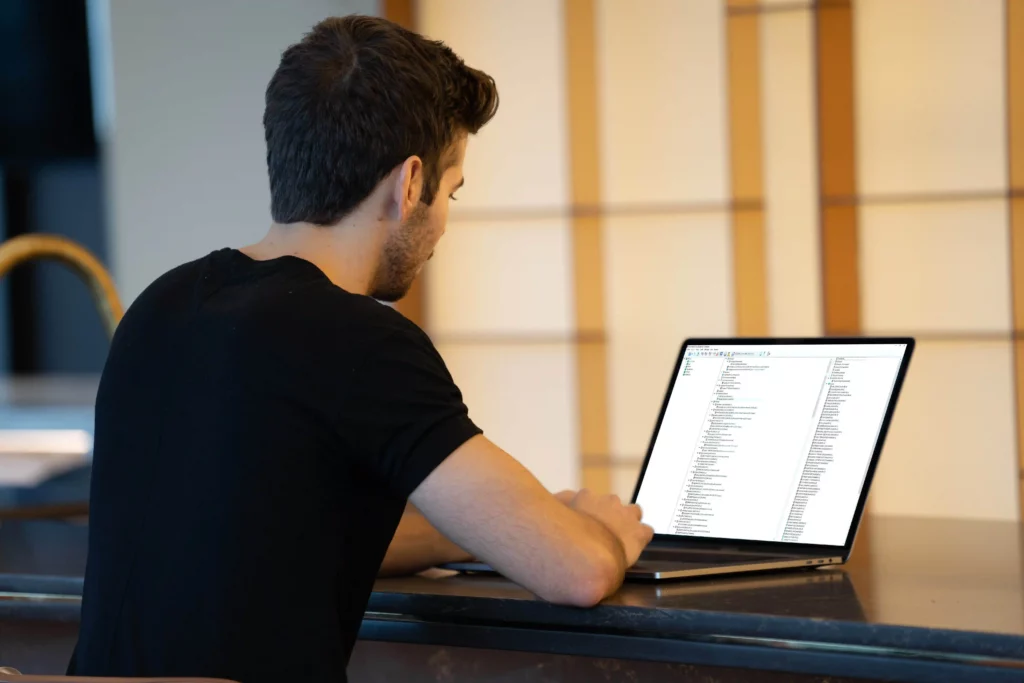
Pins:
<point x="403" y="414"/>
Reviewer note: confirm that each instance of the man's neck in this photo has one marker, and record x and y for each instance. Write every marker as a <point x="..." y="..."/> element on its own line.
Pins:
<point x="346" y="254"/>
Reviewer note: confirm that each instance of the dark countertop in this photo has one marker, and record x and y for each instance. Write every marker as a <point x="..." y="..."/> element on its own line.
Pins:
<point x="936" y="592"/>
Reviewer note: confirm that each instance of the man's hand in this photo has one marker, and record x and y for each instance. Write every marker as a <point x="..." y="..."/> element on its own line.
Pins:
<point x="490" y="505"/>
<point x="565" y="497"/>
<point x="621" y="519"/>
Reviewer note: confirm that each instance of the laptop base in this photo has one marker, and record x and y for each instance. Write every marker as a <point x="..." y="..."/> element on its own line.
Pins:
<point x="658" y="568"/>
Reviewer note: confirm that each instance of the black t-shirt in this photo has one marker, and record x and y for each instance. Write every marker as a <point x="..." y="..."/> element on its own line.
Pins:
<point x="258" y="432"/>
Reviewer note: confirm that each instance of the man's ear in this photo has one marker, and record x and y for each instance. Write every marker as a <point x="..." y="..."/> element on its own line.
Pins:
<point x="409" y="186"/>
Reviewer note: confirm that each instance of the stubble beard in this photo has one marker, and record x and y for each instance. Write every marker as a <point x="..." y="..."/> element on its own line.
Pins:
<point x="400" y="261"/>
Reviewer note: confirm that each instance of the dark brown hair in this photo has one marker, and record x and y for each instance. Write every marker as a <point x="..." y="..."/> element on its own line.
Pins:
<point x="353" y="100"/>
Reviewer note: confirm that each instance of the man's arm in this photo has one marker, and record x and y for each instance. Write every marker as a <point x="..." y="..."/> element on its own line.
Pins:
<point x="490" y="505"/>
<point x="417" y="545"/>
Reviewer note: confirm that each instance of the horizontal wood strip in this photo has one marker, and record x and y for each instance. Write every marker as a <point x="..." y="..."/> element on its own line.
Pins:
<point x="605" y="460"/>
<point x="950" y="335"/>
<point x="738" y="9"/>
<point x="922" y="198"/>
<point x="519" y="338"/>
<point x="512" y="214"/>
<point x="598" y="211"/>
<point x="558" y="339"/>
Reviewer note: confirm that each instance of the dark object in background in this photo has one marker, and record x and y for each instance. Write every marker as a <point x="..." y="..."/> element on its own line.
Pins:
<point x="50" y="181"/>
<point x="44" y="81"/>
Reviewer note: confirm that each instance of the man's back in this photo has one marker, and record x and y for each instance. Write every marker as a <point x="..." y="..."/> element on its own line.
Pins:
<point x="262" y="421"/>
<point x="257" y="433"/>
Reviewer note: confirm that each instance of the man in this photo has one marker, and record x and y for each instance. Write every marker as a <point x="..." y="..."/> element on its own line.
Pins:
<point x="263" y="422"/>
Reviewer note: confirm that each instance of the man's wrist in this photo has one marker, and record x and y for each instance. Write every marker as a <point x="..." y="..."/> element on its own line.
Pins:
<point x="618" y="546"/>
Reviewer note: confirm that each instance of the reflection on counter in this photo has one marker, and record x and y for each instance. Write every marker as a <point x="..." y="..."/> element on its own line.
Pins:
<point x="46" y="431"/>
<point x="377" y="662"/>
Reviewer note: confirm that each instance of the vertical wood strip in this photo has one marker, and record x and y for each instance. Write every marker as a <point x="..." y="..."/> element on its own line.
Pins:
<point x="837" y="166"/>
<point x="588" y="266"/>
<point x="402" y="12"/>
<point x="1015" y="94"/>
<point x="413" y="305"/>
<point x="838" y="178"/>
<point x="746" y="168"/>
<point x="1015" y="138"/>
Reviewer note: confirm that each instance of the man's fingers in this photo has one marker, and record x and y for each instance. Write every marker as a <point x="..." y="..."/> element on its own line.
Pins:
<point x="565" y="497"/>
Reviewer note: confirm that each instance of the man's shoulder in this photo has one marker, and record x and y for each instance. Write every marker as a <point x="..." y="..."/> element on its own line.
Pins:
<point x="295" y="300"/>
<point x="379" y="321"/>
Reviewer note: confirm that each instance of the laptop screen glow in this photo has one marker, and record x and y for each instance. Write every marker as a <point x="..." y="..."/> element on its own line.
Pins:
<point x="769" y="443"/>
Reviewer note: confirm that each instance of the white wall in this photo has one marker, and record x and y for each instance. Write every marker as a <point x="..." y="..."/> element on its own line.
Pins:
<point x="186" y="160"/>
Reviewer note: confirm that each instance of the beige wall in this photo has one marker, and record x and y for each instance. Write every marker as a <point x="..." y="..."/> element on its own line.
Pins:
<point x="499" y="295"/>
<point x="657" y="87"/>
<point x="185" y="157"/>
<point x="930" y="151"/>
<point x="931" y="148"/>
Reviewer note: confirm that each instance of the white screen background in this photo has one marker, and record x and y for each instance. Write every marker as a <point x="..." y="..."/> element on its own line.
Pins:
<point x="757" y="460"/>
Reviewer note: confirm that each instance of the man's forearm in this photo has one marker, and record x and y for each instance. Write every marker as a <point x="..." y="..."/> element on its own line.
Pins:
<point x="598" y="532"/>
<point x="417" y="545"/>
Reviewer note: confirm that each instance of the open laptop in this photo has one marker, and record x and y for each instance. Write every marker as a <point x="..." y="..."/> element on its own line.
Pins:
<point x="763" y="454"/>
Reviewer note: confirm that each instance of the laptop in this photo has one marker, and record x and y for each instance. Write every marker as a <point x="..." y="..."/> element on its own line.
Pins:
<point x="763" y="454"/>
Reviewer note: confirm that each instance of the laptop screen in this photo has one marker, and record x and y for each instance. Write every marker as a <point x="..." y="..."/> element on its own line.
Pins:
<point x="768" y="443"/>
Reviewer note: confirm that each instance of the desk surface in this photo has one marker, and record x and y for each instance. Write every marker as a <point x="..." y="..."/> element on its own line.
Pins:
<point x="932" y="586"/>
<point x="941" y="588"/>
<point x="929" y="574"/>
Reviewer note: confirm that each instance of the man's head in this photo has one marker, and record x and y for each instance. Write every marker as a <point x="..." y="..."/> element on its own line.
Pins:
<point x="362" y="109"/>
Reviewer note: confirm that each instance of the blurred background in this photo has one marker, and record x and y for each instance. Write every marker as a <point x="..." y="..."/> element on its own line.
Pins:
<point x="658" y="169"/>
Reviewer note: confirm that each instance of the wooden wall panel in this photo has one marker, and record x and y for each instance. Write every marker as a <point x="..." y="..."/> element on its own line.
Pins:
<point x="933" y="237"/>
<point x="1015" y="125"/>
<point x="791" y="202"/>
<point x="743" y="37"/>
<point x="413" y="306"/>
<point x="838" y="182"/>
<point x="588" y="268"/>
<point x="838" y="167"/>
<point x="402" y="12"/>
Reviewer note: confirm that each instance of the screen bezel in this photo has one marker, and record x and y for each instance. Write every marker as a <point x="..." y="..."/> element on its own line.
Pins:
<point x="769" y="546"/>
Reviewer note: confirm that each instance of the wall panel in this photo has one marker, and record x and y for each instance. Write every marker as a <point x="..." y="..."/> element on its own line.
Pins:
<point x="661" y="79"/>
<point x="519" y="159"/>
<point x="506" y="278"/>
<point x="793" y="243"/>
<point x="668" y="278"/>
<point x="950" y="451"/>
<point x="524" y="398"/>
<point x="931" y="96"/>
<point x="935" y="268"/>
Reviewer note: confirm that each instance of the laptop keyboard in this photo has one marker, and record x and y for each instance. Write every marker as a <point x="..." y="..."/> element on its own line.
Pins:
<point x="710" y="559"/>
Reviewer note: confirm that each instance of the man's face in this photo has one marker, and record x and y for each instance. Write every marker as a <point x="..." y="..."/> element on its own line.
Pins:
<point x="411" y="244"/>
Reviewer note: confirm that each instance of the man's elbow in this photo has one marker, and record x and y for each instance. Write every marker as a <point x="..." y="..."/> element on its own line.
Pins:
<point x="591" y="583"/>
